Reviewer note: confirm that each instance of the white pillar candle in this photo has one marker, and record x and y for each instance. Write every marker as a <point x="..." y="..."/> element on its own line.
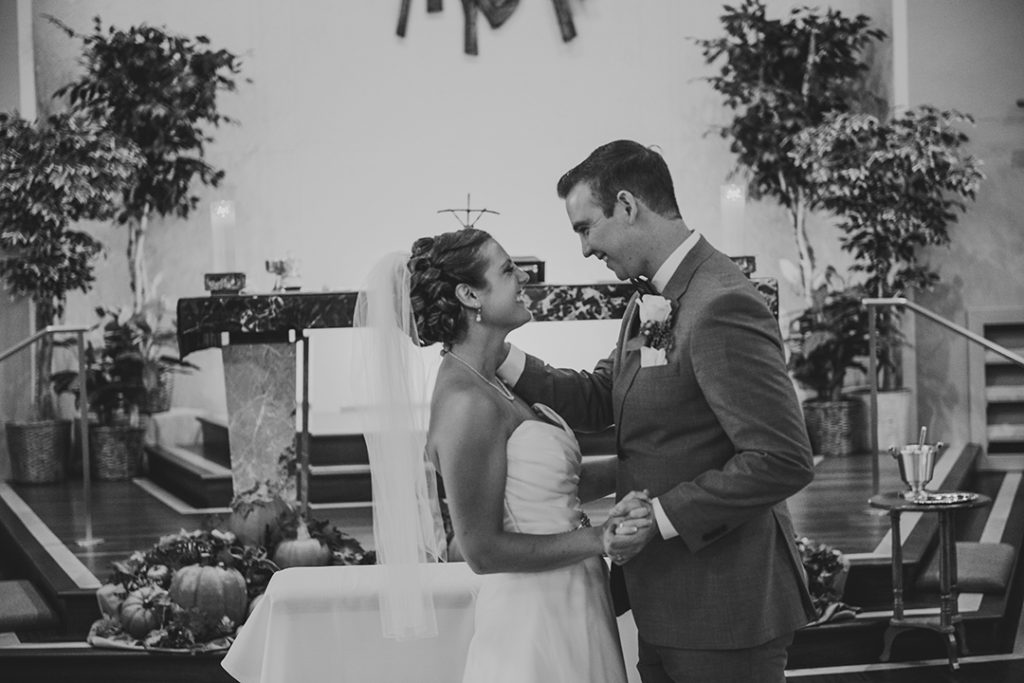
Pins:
<point x="222" y="225"/>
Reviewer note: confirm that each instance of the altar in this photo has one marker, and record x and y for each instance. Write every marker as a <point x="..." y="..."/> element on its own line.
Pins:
<point x="265" y="343"/>
<point x="265" y="346"/>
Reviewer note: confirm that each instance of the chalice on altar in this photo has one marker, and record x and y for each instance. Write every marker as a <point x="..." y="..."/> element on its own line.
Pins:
<point x="286" y="272"/>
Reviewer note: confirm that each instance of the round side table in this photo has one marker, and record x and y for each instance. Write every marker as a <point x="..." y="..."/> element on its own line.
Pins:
<point x="950" y="623"/>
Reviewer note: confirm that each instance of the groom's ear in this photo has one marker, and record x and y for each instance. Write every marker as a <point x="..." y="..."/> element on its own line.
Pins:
<point x="628" y="201"/>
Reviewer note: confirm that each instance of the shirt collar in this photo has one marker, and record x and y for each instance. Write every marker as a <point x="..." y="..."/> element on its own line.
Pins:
<point x="668" y="268"/>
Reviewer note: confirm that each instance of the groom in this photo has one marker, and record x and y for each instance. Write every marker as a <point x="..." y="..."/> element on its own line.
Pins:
<point x="707" y="421"/>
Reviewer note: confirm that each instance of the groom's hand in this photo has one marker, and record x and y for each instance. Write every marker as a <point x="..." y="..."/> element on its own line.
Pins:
<point x="632" y="513"/>
<point x="631" y="501"/>
<point x="629" y="527"/>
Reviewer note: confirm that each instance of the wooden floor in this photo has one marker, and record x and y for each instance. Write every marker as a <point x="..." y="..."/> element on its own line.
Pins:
<point x="127" y="516"/>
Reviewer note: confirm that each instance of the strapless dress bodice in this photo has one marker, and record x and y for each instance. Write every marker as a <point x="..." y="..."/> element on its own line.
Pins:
<point x="541" y="487"/>
<point x="555" y="625"/>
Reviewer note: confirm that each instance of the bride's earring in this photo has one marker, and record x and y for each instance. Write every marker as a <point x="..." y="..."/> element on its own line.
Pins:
<point x="479" y="317"/>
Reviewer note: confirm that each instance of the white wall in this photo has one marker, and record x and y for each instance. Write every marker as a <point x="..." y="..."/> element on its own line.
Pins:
<point x="968" y="56"/>
<point x="351" y="138"/>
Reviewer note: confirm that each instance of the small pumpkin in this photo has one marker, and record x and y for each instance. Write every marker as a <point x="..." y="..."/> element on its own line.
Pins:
<point x="159" y="574"/>
<point x="250" y="522"/>
<point x="110" y="597"/>
<point x="301" y="551"/>
<point x="216" y="591"/>
<point x="142" y="611"/>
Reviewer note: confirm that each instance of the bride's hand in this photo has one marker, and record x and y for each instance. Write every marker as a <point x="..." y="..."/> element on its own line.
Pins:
<point x="629" y="527"/>
<point x="621" y="547"/>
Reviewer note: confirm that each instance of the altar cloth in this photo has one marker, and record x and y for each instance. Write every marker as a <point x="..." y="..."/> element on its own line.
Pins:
<point x="323" y="624"/>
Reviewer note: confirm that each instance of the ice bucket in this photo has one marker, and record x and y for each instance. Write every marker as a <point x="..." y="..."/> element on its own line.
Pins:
<point x="917" y="465"/>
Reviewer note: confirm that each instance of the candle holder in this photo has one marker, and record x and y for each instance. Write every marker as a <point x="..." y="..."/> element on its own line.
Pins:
<point x="224" y="284"/>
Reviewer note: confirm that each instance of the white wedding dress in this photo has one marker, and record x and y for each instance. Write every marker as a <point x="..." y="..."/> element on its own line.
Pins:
<point x="554" y="626"/>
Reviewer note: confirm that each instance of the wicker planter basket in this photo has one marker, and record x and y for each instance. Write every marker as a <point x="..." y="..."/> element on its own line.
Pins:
<point x="158" y="397"/>
<point x="835" y="427"/>
<point x="115" y="452"/>
<point x="38" y="450"/>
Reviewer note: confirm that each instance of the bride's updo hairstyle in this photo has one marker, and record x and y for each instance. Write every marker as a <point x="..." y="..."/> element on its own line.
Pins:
<point x="436" y="266"/>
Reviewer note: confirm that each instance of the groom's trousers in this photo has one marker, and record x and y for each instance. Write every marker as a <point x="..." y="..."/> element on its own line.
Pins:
<point x="762" y="664"/>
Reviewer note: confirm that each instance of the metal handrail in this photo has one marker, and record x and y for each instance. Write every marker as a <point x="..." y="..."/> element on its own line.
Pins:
<point x="46" y="331"/>
<point x="79" y="332"/>
<point x="873" y="358"/>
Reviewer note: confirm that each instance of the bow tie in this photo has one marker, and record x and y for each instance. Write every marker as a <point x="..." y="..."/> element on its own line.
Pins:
<point x="644" y="286"/>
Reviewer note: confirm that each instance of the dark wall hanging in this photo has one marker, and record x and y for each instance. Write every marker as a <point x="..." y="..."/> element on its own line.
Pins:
<point x="496" y="12"/>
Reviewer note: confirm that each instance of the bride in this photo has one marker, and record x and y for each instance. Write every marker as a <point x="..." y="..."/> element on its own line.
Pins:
<point x="514" y="479"/>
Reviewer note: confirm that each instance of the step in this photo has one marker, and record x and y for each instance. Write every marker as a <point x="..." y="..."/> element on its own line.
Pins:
<point x="1003" y="433"/>
<point x="23" y="608"/>
<point x="79" y="661"/>
<point x="189" y="474"/>
<point x="202" y="483"/>
<point x="35" y="553"/>
<point x="1004" y="394"/>
<point x="993" y="358"/>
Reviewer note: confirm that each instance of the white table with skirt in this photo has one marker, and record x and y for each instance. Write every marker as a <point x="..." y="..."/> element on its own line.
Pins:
<point x="323" y="624"/>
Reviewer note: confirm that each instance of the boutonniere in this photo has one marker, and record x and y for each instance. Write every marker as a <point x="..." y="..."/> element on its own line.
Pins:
<point x="655" y="329"/>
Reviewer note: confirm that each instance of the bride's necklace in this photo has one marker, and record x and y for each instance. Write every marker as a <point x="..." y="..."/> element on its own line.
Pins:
<point x="499" y="385"/>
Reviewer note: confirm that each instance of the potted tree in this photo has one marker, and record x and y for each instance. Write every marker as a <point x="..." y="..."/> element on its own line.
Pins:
<point x="123" y="382"/>
<point x="52" y="173"/>
<point x="116" y="432"/>
<point x="158" y="90"/>
<point x="145" y="342"/>
<point x="781" y="77"/>
<point x="895" y="186"/>
<point x="829" y="338"/>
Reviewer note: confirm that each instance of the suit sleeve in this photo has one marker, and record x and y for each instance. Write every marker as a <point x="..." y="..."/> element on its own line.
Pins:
<point x="583" y="399"/>
<point x="737" y="356"/>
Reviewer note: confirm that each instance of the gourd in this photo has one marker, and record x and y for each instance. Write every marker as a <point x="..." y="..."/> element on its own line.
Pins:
<point x="255" y="601"/>
<point x="216" y="591"/>
<point x="249" y="521"/>
<point x="142" y="611"/>
<point x="110" y="597"/>
<point x="301" y="551"/>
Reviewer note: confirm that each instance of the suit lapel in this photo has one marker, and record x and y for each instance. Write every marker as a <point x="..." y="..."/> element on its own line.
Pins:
<point x="629" y="361"/>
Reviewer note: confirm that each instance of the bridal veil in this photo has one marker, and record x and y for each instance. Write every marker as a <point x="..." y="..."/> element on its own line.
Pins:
<point x="392" y="379"/>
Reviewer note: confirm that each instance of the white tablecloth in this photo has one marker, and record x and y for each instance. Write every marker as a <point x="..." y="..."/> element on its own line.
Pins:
<point x="322" y="624"/>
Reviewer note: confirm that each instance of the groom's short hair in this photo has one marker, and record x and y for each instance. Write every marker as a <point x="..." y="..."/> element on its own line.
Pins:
<point x="624" y="165"/>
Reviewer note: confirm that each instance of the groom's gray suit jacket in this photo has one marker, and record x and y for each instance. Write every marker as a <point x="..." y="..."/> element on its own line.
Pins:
<point x="717" y="434"/>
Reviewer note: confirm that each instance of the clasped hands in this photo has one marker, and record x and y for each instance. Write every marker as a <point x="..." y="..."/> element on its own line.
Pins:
<point x="629" y="527"/>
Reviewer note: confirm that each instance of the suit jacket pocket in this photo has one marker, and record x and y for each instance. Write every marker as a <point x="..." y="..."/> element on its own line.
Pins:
<point x="653" y="372"/>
